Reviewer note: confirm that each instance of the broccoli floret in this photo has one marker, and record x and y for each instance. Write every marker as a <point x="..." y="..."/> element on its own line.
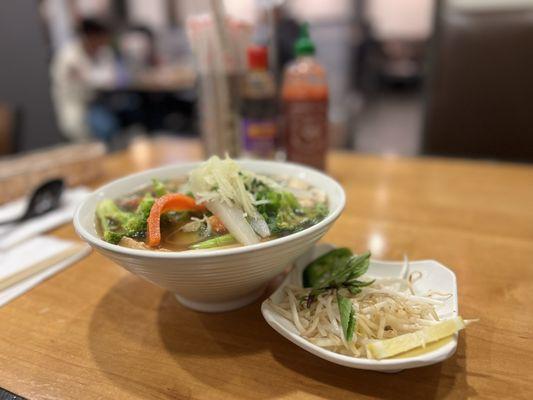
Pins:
<point x="111" y="219"/>
<point x="135" y="227"/>
<point x="144" y="207"/>
<point x="116" y="223"/>
<point x="113" y="237"/>
<point x="159" y="187"/>
<point x="290" y="220"/>
<point x="283" y="212"/>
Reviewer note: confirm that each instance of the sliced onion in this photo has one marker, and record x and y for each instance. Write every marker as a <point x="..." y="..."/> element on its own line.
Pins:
<point x="192" y="226"/>
<point x="259" y="225"/>
<point x="180" y="238"/>
<point x="233" y="219"/>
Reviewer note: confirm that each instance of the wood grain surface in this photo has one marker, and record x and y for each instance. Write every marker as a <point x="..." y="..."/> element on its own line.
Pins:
<point x="95" y="331"/>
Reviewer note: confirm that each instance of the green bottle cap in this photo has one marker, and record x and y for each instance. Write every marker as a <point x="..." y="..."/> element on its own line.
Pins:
<point x="304" y="46"/>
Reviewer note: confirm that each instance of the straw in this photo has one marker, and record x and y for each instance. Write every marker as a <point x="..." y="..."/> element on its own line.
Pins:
<point x="221" y="80"/>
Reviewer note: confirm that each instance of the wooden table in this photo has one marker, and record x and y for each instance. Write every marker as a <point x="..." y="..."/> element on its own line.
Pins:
<point x="97" y="332"/>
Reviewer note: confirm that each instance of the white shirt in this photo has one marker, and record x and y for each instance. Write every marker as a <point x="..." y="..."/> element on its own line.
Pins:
<point x="75" y="78"/>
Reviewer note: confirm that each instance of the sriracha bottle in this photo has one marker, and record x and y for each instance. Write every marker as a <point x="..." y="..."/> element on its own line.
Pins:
<point x="305" y="106"/>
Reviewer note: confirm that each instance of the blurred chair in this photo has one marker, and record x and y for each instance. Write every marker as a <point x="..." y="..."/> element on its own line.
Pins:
<point x="480" y="86"/>
<point x="7" y="126"/>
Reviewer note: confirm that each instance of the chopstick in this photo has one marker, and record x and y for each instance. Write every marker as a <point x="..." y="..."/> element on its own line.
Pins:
<point x="40" y="266"/>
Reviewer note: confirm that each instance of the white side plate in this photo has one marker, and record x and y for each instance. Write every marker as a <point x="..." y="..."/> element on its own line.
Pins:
<point x="435" y="277"/>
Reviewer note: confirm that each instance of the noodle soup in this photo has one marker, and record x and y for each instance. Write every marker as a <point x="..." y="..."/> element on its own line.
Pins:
<point x="217" y="205"/>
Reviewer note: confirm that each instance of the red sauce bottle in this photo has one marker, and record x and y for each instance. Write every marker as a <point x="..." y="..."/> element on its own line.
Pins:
<point x="305" y="106"/>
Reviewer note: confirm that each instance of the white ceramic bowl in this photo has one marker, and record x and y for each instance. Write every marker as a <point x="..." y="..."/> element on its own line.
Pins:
<point x="215" y="280"/>
<point x="435" y="276"/>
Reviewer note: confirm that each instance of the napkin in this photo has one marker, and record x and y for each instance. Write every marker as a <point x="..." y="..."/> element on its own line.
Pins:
<point x="12" y="234"/>
<point x="35" y="260"/>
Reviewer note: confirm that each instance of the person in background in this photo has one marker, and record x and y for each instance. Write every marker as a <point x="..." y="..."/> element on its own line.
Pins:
<point x="78" y="69"/>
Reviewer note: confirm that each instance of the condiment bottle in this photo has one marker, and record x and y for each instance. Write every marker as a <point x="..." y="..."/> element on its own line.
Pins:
<point x="305" y="106"/>
<point x="258" y="108"/>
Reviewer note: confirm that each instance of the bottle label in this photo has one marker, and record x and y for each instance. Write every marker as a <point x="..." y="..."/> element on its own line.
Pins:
<point x="305" y="130"/>
<point x="259" y="136"/>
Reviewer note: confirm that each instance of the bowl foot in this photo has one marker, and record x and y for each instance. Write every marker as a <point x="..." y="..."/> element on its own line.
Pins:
<point x="221" y="306"/>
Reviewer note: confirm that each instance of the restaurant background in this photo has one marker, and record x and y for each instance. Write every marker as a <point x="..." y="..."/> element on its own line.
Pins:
<point x="416" y="77"/>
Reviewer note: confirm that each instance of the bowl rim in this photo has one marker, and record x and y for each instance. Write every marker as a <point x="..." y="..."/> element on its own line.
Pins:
<point x="94" y="240"/>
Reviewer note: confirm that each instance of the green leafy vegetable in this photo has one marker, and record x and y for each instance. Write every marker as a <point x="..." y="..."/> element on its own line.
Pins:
<point x="159" y="187"/>
<point x="358" y="265"/>
<point x="338" y="270"/>
<point x="325" y="264"/>
<point x="347" y="314"/>
<point x="342" y="274"/>
<point x="217" y="241"/>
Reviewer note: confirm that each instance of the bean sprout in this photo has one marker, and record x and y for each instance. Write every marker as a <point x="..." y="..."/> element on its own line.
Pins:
<point x="387" y="308"/>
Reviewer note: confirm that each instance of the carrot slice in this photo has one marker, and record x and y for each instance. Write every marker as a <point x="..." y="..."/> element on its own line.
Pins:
<point x="166" y="203"/>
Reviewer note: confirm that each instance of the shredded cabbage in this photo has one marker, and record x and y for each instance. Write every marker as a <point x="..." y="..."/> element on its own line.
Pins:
<point x="222" y="181"/>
